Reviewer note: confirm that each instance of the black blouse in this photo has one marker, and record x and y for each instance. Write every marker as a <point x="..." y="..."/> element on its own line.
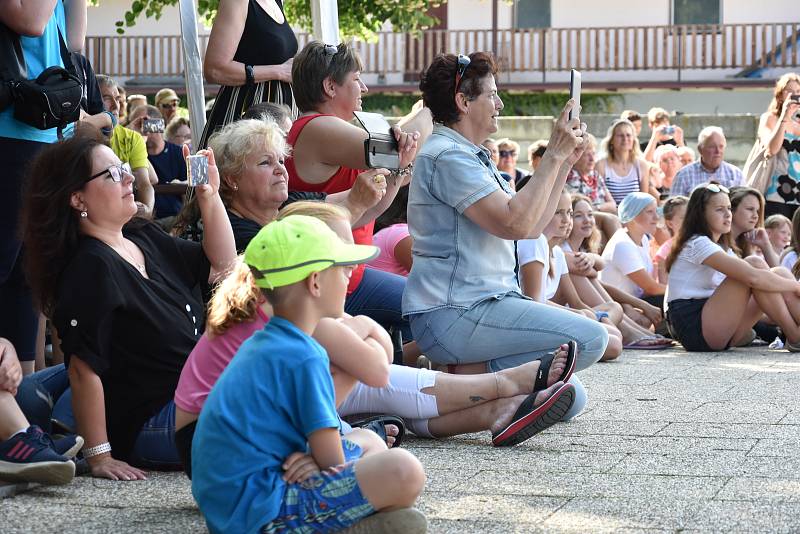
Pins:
<point x="134" y="332"/>
<point x="264" y="41"/>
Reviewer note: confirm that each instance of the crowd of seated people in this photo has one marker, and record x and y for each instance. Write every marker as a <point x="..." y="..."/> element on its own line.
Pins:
<point x="319" y="310"/>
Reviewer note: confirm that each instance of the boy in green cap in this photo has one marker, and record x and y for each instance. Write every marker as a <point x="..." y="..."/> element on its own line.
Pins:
<point x="267" y="455"/>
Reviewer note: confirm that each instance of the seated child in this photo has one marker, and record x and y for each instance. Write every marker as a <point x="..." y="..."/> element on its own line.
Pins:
<point x="789" y="255"/>
<point x="673" y="210"/>
<point x="267" y="455"/>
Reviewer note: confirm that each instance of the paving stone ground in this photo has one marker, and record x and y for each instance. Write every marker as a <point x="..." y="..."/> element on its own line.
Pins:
<point x="671" y="441"/>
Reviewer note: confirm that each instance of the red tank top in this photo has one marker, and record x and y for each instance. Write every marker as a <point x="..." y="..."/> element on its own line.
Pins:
<point x="342" y="180"/>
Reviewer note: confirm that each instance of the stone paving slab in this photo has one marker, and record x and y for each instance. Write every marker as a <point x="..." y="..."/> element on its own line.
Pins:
<point x="670" y="442"/>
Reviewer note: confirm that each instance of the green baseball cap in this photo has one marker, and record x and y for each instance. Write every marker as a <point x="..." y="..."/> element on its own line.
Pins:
<point x="289" y="250"/>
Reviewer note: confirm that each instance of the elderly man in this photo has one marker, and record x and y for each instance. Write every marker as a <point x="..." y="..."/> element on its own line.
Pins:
<point x="129" y="147"/>
<point x="710" y="168"/>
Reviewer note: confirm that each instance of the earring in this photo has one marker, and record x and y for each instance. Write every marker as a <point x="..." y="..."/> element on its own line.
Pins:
<point x="235" y="187"/>
<point x="84" y="214"/>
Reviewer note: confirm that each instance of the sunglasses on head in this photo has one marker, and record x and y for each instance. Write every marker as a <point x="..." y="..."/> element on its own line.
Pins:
<point x="330" y="51"/>
<point x="717" y="188"/>
<point x="507" y="153"/>
<point x="463" y="63"/>
<point x="115" y="172"/>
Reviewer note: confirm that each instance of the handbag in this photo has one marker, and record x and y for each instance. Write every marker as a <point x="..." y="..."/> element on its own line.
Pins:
<point x="759" y="167"/>
<point x="53" y="99"/>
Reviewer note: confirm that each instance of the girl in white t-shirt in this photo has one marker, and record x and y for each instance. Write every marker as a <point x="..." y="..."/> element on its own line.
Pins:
<point x="584" y="264"/>
<point x="715" y="297"/>
<point x="627" y="253"/>
<point x="544" y="275"/>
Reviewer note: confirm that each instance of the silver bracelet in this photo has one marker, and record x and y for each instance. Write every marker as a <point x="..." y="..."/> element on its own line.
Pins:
<point x="97" y="450"/>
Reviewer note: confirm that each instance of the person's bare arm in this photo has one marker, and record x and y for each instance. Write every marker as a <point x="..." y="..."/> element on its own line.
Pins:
<point x="650" y="286"/>
<point x="530" y="278"/>
<point x="772" y="129"/>
<point x="145" y="194"/>
<point x="218" y="241"/>
<point x="219" y="66"/>
<point x="354" y="350"/>
<point x="326" y="447"/>
<point x="763" y="279"/>
<point x="567" y="293"/>
<point x="88" y="403"/>
<point x="75" y="15"/>
<point x="27" y="17"/>
<point x="652" y="313"/>
<point x="525" y="214"/>
<point x="402" y="252"/>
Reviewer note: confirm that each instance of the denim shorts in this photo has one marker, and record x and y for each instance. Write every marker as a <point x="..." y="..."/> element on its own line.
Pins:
<point x="326" y="502"/>
<point x="685" y="322"/>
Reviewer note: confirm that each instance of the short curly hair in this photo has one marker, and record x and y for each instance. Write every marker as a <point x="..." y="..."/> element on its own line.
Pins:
<point x="438" y="82"/>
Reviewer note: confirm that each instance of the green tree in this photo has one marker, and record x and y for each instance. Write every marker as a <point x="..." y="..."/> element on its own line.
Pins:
<point x="357" y="18"/>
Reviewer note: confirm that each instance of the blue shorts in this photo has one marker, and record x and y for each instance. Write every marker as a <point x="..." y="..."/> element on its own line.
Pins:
<point x="326" y="502"/>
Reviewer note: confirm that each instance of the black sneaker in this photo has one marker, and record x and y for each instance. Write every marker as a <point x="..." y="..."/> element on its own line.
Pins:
<point x="29" y="457"/>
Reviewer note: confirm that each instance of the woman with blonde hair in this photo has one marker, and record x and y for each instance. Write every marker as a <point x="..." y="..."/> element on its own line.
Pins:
<point x="623" y="168"/>
<point x="432" y="404"/>
<point x="779" y="132"/>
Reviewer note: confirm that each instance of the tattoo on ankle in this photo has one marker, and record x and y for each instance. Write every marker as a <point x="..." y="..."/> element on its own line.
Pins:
<point x="476" y="398"/>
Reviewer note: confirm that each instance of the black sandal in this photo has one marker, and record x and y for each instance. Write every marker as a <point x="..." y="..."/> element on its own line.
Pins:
<point x="378" y="425"/>
<point x="547" y="361"/>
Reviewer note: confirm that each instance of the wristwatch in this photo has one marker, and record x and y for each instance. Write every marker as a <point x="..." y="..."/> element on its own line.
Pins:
<point x="249" y="74"/>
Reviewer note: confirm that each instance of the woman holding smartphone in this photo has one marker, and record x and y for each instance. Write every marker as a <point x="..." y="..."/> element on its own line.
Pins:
<point x="714" y="297"/>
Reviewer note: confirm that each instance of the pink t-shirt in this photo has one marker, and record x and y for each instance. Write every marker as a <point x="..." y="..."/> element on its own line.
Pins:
<point x="207" y="361"/>
<point x="386" y="240"/>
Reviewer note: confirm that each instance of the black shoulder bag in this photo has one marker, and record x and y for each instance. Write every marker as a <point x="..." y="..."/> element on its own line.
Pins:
<point x="53" y="99"/>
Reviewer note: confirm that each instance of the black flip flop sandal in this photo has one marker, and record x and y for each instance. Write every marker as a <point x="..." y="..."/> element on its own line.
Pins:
<point x="547" y="361"/>
<point x="378" y="425"/>
<point x="529" y="420"/>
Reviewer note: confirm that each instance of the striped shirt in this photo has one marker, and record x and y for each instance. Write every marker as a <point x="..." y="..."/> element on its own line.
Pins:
<point x="622" y="186"/>
<point x="695" y="174"/>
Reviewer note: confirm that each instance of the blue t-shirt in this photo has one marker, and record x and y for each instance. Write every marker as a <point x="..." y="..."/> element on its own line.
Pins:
<point x="169" y="166"/>
<point x="276" y="391"/>
<point x="40" y="53"/>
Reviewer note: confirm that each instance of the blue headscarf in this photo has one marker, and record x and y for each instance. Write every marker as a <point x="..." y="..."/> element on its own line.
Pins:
<point x="633" y="204"/>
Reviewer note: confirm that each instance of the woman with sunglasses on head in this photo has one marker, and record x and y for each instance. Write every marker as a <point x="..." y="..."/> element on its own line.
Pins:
<point x="714" y="297"/>
<point x="125" y="298"/>
<point x="328" y="156"/>
<point x="249" y="54"/>
<point x="463" y="299"/>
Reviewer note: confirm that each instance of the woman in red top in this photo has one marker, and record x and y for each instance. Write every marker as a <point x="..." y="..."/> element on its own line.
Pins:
<point x="328" y="156"/>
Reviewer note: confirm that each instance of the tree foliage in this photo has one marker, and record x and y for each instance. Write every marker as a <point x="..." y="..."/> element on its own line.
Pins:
<point x="357" y="18"/>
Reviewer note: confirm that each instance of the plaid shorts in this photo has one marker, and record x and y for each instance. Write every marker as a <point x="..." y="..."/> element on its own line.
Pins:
<point x="326" y="502"/>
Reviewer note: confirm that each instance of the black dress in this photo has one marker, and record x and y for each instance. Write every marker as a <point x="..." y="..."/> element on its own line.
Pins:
<point x="263" y="42"/>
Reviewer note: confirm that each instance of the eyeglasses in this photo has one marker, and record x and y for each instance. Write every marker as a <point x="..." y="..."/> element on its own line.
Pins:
<point x="115" y="172"/>
<point x="170" y="105"/>
<point x="330" y="51"/>
<point x="463" y="63"/>
<point x="507" y="153"/>
<point x="717" y="188"/>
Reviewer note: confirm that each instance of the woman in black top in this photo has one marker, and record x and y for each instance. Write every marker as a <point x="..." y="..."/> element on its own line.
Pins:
<point x="125" y="297"/>
<point x="249" y="53"/>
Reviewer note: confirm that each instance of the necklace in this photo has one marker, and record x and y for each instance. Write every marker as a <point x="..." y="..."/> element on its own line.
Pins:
<point x="132" y="260"/>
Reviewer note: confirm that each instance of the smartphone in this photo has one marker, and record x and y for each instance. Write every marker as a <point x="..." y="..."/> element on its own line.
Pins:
<point x="380" y="148"/>
<point x="152" y="126"/>
<point x="197" y="170"/>
<point x="574" y="91"/>
<point x="669" y="130"/>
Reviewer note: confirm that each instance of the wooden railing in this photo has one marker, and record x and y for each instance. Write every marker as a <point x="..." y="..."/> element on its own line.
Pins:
<point x="725" y="46"/>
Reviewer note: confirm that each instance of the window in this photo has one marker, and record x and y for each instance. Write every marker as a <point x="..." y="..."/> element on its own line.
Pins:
<point x="696" y="12"/>
<point x="532" y="13"/>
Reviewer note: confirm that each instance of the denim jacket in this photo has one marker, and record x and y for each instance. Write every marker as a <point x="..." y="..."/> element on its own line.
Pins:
<point x="456" y="262"/>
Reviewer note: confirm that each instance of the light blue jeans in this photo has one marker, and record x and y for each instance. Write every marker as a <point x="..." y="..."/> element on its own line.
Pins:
<point x="506" y="331"/>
